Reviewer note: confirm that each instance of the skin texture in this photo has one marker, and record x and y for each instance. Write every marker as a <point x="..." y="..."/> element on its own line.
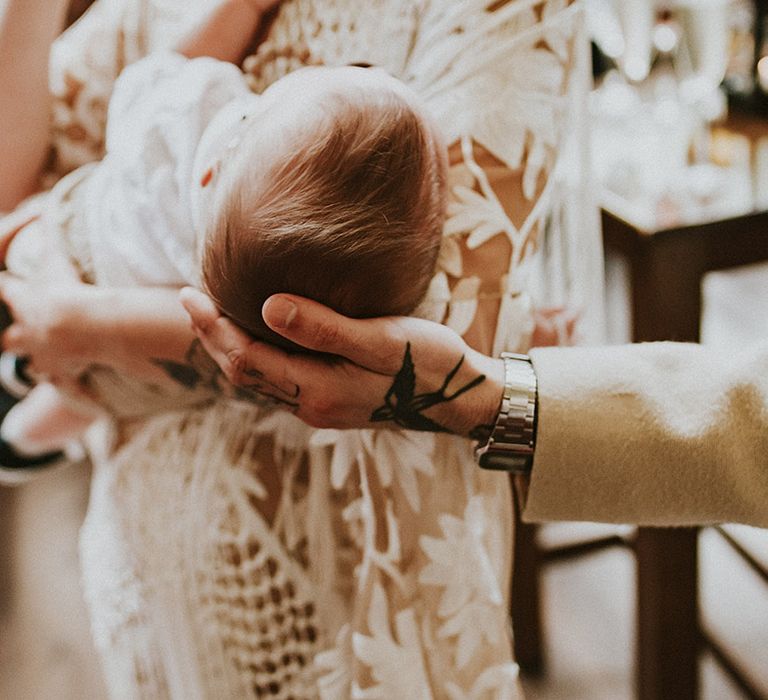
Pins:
<point x="27" y="30"/>
<point x="387" y="372"/>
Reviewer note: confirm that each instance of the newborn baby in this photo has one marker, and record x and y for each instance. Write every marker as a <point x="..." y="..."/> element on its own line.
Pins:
<point x="330" y="184"/>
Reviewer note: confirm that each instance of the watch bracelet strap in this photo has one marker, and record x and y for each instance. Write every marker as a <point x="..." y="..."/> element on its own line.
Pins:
<point x="511" y="443"/>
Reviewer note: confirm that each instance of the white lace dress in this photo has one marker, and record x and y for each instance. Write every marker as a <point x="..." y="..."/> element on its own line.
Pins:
<point x="229" y="553"/>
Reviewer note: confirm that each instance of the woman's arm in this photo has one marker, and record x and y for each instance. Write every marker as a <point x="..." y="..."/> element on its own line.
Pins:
<point x="227" y="31"/>
<point x="66" y="326"/>
<point x="27" y="30"/>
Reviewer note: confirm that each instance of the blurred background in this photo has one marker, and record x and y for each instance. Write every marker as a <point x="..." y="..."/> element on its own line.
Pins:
<point x="679" y="119"/>
<point x="679" y="142"/>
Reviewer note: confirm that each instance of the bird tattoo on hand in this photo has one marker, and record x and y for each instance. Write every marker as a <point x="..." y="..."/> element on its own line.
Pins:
<point x="405" y="407"/>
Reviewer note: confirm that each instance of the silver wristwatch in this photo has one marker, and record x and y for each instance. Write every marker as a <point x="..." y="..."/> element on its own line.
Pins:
<point x="510" y="445"/>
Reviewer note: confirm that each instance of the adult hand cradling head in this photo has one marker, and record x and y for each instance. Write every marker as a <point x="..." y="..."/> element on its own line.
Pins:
<point x="384" y="372"/>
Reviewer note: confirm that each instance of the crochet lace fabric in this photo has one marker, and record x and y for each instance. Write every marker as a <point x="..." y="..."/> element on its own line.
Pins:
<point x="229" y="553"/>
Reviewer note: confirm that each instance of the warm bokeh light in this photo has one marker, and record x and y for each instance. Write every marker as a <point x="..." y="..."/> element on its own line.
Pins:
<point x="762" y="73"/>
<point x="664" y="37"/>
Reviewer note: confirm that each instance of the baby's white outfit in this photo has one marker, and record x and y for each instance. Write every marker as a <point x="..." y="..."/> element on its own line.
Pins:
<point x="136" y="218"/>
<point x="140" y="198"/>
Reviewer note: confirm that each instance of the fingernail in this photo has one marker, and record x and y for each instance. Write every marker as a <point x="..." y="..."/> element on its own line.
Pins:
<point x="281" y="312"/>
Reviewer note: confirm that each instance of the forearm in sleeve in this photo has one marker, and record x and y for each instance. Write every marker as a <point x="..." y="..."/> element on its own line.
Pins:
<point x="659" y="433"/>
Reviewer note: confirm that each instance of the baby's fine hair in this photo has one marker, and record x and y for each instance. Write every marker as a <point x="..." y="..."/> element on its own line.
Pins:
<point x="352" y="217"/>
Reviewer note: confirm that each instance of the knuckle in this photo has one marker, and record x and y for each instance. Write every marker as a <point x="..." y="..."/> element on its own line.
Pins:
<point x="234" y="366"/>
<point x="202" y="324"/>
<point x="210" y="325"/>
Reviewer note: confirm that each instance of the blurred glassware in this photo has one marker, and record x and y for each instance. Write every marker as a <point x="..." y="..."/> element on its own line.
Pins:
<point x="636" y="18"/>
<point x="621" y="30"/>
<point x="655" y="153"/>
<point x="739" y="73"/>
<point x="701" y="59"/>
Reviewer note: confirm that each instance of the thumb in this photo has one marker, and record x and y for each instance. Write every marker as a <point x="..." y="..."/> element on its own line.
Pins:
<point x="376" y="344"/>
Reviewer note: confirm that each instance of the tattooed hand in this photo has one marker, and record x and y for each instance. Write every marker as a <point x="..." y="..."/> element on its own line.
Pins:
<point x="200" y="372"/>
<point x="386" y="372"/>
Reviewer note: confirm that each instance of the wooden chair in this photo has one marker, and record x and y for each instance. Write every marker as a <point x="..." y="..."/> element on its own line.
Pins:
<point x="670" y="636"/>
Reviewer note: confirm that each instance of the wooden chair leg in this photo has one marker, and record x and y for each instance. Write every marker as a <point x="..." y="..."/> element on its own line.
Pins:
<point x="668" y="639"/>
<point x="526" y="600"/>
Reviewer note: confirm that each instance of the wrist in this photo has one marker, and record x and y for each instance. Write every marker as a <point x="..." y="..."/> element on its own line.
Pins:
<point x="484" y="410"/>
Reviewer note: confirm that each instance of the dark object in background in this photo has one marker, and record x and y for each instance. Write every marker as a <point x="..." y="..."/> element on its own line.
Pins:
<point x="747" y="88"/>
<point x="15" y="382"/>
<point x="76" y="9"/>
<point x="601" y="64"/>
<point x="6" y="319"/>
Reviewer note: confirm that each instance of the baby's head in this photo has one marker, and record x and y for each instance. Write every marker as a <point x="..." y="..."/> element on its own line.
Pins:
<point x="334" y="190"/>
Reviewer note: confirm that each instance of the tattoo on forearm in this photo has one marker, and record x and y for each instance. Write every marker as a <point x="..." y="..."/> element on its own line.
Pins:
<point x="182" y="374"/>
<point x="200" y="371"/>
<point x="405" y="408"/>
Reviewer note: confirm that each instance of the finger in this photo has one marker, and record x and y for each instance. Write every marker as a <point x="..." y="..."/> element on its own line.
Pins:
<point x="222" y="344"/>
<point x="12" y="224"/>
<point x="245" y="361"/>
<point x="11" y="288"/>
<point x="13" y="339"/>
<point x="236" y="352"/>
<point x="200" y="308"/>
<point x="260" y="393"/>
<point x="376" y="344"/>
<point x="217" y="338"/>
<point x="74" y="386"/>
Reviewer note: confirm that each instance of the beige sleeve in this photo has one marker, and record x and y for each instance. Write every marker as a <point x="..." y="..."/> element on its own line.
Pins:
<point x="659" y="433"/>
